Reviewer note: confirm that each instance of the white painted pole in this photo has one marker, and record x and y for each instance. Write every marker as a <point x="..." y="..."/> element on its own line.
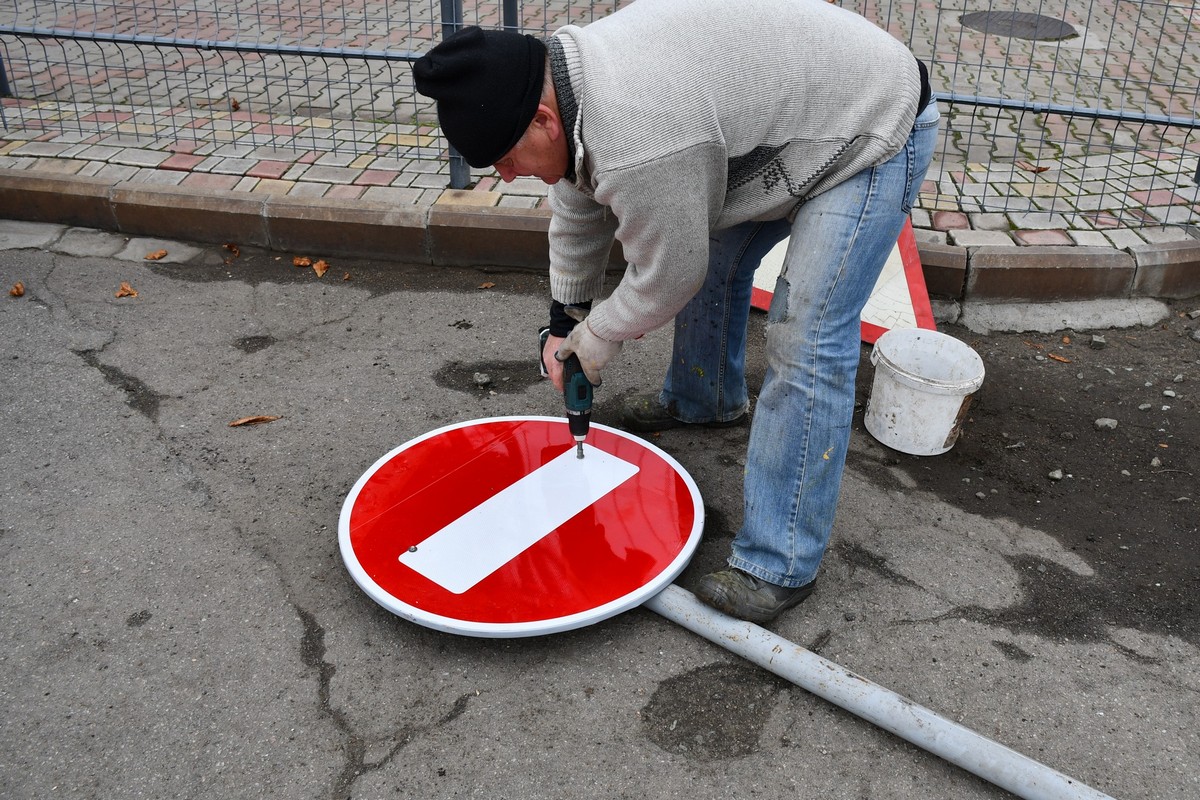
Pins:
<point x="961" y="746"/>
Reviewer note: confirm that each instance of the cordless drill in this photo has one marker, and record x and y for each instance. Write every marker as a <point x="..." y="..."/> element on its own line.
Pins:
<point x="577" y="392"/>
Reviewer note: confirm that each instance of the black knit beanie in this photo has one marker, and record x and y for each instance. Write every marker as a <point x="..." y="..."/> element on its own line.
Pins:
<point x="487" y="85"/>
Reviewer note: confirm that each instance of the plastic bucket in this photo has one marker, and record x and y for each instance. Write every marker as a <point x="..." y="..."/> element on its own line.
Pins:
<point x="924" y="382"/>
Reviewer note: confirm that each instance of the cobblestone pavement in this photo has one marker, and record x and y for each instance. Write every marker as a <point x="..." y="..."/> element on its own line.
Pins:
<point x="337" y="127"/>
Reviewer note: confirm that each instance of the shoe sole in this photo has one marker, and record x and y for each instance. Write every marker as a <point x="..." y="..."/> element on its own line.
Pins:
<point x="756" y="614"/>
<point x="637" y="426"/>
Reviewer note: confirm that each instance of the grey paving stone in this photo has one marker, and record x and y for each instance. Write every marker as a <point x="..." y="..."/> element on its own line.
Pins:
<point x="41" y="149"/>
<point x="85" y="242"/>
<point x="1088" y="238"/>
<point x="401" y="196"/>
<point x="100" y="152"/>
<point x="1173" y="214"/>
<point x="18" y="235"/>
<point x="296" y="173"/>
<point x="981" y="238"/>
<point x="1169" y="233"/>
<point x="430" y="181"/>
<point x="990" y="222"/>
<point x="117" y="172"/>
<point x="138" y="248"/>
<point x="1038" y="220"/>
<point x="140" y="158"/>
<point x="929" y="236"/>
<point x="517" y="201"/>
<point x="232" y="166"/>
<point x="1122" y="238"/>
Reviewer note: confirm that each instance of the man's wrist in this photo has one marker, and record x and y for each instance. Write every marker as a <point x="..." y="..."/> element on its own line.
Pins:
<point x="561" y="322"/>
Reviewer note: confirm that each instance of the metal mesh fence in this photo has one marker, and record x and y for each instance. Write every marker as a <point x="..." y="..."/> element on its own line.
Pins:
<point x="1064" y="107"/>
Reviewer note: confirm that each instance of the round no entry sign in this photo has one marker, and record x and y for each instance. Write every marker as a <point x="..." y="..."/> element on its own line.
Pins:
<point x="494" y="527"/>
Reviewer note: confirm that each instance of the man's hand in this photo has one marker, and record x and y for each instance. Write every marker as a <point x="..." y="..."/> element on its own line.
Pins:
<point x="594" y="353"/>
<point x="554" y="368"/>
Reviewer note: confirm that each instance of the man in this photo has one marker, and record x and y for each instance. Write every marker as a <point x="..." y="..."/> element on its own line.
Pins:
<point x="700" y="133"/>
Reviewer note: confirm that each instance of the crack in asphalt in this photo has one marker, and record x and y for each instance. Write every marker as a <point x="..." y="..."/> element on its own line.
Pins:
<point x="312" y="654"/>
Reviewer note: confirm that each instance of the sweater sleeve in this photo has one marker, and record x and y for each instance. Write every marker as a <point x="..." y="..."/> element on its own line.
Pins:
<point x="665" y="209"/>
<point x="581" y="237"/>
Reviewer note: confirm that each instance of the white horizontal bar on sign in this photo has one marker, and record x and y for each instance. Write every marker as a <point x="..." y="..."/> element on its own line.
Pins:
<point x="507" y="524"/>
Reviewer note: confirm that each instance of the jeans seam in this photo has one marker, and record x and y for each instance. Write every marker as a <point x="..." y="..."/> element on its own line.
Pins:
<point x="811" y="377"/>
<point x="735" y="267"/>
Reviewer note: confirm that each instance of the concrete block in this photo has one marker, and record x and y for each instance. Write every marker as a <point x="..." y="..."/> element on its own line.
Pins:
<point x="65" y="200"/>
<point x="18" y="235"/>
<point x="347" y="228"/>
<point x="467" y="236"/>
<point x="171" y="212"/>
<point x="944" y="267"/>
<point x="1048" y="273"/>
<point x="1169" y="270"/>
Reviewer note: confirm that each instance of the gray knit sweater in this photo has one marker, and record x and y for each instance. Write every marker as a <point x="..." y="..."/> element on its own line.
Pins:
<point x="695" y="115"/>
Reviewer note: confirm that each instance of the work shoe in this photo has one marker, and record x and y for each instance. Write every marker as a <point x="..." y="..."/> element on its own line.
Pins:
<point x="740" y="594"/>
<point x="643" y="413"/>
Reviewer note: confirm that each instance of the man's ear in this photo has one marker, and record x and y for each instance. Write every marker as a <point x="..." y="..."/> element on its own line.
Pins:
<point x="547" y="119"/>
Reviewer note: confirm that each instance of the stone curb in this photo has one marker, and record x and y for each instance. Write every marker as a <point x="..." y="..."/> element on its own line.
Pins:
<point x="464" y="235"/>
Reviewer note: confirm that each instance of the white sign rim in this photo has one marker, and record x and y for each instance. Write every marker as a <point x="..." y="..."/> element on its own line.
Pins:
<point x="533" y="627"/>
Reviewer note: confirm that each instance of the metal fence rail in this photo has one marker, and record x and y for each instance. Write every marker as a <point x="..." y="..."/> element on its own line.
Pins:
<point x="1056" y="107"/>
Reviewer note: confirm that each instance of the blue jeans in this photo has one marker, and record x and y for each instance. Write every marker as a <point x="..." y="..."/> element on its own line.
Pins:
<point x="839" y="243"/>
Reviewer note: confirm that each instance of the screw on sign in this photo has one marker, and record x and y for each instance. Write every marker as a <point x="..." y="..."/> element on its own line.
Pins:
<point x="494" y="528"/>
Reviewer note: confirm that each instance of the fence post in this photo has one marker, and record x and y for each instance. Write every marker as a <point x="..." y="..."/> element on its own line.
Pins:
<point x="511" y="15"/>
<point x="5" y="91"/>
<point x="452" y="20"/>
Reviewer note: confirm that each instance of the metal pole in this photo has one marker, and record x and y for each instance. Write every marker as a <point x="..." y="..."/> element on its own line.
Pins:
<point x="452" y="20"/>
<point x="5" y="91"/>
<point x="961" y="746"/>
<point x="511" y="16"/>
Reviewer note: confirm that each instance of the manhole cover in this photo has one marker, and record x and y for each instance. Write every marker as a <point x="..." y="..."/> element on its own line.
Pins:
<point x="1018" y="25"/>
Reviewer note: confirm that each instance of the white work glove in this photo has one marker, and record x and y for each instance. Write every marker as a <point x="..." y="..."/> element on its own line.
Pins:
<point x="594" y="353"/>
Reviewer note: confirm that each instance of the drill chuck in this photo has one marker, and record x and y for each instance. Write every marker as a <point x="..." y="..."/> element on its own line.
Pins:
<point x="577" y="393"/>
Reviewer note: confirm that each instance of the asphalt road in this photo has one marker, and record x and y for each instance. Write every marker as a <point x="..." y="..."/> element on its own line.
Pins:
<point x="177" y="621"/>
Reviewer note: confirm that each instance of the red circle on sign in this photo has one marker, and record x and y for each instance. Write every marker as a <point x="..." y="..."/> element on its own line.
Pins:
<point x="483" y="528"/>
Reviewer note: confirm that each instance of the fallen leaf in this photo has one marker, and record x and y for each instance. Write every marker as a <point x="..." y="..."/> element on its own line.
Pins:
<point x="255" y="420"/>
<point x="126" y="290"/>
<point x="1066" y="340"/>
<point x="1034" y="345"/>
<point x="301" y="261"/>
<point x="487" y="285"/>
<point x="320" y="268"/>
<point x="234" y="104"/>
<point x="156" y="255"/>
<point x="1025" y="165"/>
<point x="1057" y="357"/>
<point x="233" y="249"/>
<point x="346" y="277"/>
<point x="17" y="290"/>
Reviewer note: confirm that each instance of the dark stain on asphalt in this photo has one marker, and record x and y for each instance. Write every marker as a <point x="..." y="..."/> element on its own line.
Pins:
<point x="1125" y="501"/>
<point x="252" y="344"/>
<point x="138" y="395"/>
<point x="1012" y="652"/>
<point x="716" y="524"/>
<point x="1059" y="604"/>
<point x="484" y="377"/>
<point x="857" y="556"/>
<point x="714" y="711"/>
<point x="138" y="619"/>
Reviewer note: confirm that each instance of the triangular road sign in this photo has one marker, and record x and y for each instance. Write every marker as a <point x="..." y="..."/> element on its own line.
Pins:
<point x="899" y="299"/>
